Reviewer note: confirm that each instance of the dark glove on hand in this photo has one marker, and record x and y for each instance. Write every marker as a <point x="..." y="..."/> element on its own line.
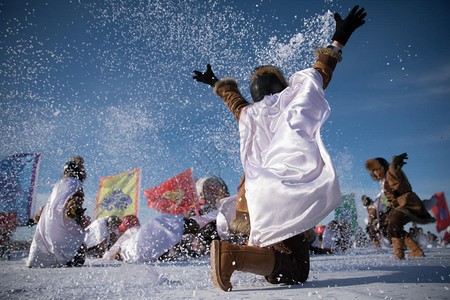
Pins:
<point x="208" y="77"/>
<point x="79" y="214"/>
<point x="366" y="200"/>
<point x="398" y="160"/>
<point x="30" y="223"/>
<point x="190" y="226"/>
<point x="345" y="28"/>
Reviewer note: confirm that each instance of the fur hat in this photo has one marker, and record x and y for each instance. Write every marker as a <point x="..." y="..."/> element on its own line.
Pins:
<point x="240" y="226"/>
<point x="266" y="80"/>
<point x="372" y="164"/>
<point x="75" y="168"/>
<point x="376" y="163"/>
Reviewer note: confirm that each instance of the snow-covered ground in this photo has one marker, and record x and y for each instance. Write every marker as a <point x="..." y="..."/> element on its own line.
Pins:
<point x="357" y="274"/>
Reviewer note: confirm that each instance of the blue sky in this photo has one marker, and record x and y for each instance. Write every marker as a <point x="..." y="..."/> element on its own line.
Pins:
<point x="111" y="81"/>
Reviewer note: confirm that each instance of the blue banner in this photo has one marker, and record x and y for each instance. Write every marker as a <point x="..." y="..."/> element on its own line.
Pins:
<point x="18" y="181"/>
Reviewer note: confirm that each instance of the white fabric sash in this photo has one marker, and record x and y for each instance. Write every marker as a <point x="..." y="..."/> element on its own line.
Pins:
<point x="290" y="182"/>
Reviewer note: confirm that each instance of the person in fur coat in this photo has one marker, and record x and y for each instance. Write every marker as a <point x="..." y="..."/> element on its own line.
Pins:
<point x="405" y="206"/>
<point x="285" y="261"/>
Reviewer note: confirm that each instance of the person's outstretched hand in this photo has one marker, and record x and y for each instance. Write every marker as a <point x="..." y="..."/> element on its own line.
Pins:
<point x="345" y="28"/>
<point x="208" y="77"/>
<point x="398" y="160"/>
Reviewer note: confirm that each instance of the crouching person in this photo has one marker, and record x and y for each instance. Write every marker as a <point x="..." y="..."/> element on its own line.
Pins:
<point x="58" y="240"/>
<point x="161" y="238"/>
<point x="290" y="182"/>
<point x="405" y="206"/>
<point x="101" y="235"/>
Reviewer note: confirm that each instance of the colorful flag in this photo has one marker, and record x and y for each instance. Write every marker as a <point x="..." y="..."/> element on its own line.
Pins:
<point x="347" y="210"/>
<point x="175" y="196"/>
<point x="18" y="181"/>
<point x="440" y="211"/>
<point x="118" y="195"/>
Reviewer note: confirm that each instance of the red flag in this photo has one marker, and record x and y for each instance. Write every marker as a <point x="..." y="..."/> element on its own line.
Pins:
<point x="175" y="196"/>
<point x="440" y="211"/>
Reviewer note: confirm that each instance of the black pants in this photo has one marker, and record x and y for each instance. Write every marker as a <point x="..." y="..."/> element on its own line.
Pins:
<point x="395" y="226"/>
<point x="291" y="268"/>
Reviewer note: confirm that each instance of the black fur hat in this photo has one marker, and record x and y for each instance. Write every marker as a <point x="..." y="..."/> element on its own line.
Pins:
<point x="75" y="169"/>
<point x="266" y="80"/>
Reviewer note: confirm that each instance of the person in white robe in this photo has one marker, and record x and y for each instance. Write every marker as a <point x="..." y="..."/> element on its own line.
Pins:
<point x="156" y="237"/>
<point x="290" y="181"/>
<point x="101" y="234"/>
<point x="59" y="235"/>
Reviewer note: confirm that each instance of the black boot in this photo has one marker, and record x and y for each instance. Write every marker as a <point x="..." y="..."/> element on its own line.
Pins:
<point x="291" y="266"/>
<point x="79" y="258"/>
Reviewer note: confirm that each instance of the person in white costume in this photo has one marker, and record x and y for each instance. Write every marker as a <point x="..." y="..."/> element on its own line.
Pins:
<point x="101" y="234"/>
<point x="290" y="183"/>
<point x="148" y="242"/>
<point x="154" y="239"/>
<point x="59" y="235"/>
<point x="203" y="229"/>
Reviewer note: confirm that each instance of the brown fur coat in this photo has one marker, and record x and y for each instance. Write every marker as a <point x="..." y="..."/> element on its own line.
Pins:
<point x="399" y="192"/>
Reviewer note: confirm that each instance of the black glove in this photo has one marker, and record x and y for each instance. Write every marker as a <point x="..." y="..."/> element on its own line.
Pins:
<point x="345" y="28"/>
<point x="366" y="200"/>
<point x="190" y="226"/>
<point x="208" y="77"/>
<point x="79" y="214"/>
<point x="30" y="223"/>
<point x="398" y="160"/>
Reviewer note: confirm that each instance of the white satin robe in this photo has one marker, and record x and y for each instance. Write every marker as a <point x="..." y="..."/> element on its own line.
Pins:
<point x="290" y="182"/>
<point x="152" y="239"/>
<point x="97" y="232"/>
<point x="57" y="238"/>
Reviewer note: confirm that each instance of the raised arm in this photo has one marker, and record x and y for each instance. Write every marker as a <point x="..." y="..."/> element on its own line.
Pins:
<point x="226" y="88"/>
<point x="328" y="57"/>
